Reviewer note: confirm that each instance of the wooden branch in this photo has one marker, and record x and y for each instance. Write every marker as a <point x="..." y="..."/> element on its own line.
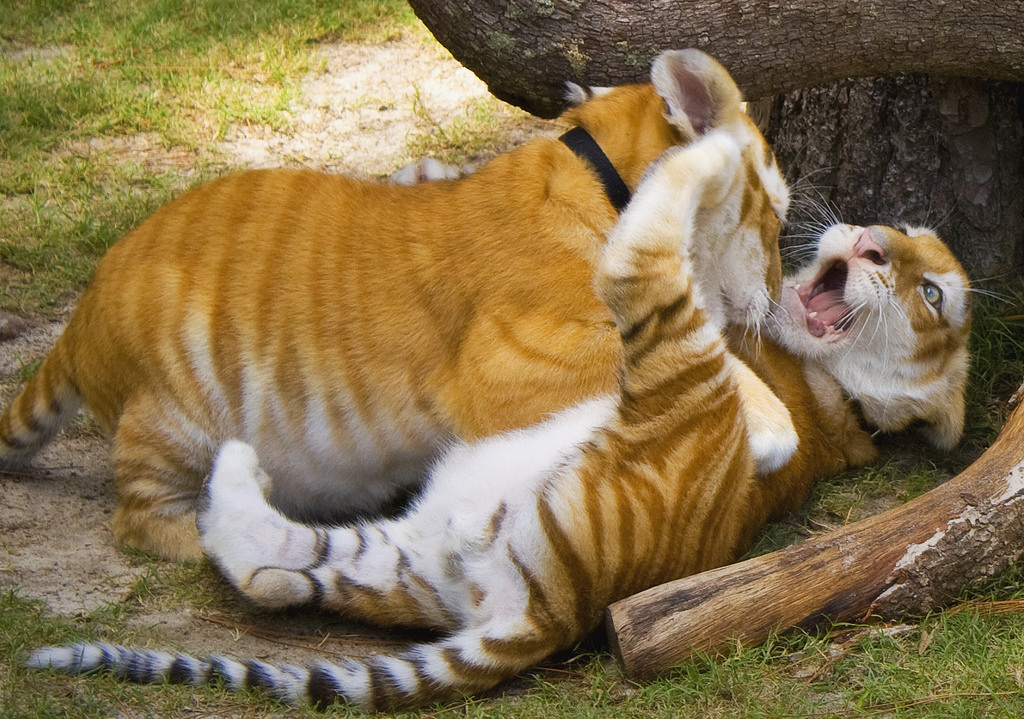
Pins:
<point x="526" y="51"/>
<point x="908" y="560"/>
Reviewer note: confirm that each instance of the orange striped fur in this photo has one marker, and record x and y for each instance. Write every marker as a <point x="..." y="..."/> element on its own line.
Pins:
<point x="521" y="540"/>
<point x="349" y="329"/>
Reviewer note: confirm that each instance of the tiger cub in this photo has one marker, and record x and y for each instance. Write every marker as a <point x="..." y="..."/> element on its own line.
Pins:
<point x="520" y="541"/>
<point x="875" y="328"/>
<point x="348" y="330"/>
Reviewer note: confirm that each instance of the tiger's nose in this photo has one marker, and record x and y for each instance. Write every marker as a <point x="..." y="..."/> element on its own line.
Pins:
<point x="867" y="246"/>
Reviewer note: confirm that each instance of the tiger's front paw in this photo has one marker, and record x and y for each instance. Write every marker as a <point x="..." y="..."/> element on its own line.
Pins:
<point x="772" y="444"/>
<point x="714" y="158"/>
<point x="660" y="217"/>
<point x="770" y="432"/>
<point x="253" y="545"/>
<point x="715" y="162"/>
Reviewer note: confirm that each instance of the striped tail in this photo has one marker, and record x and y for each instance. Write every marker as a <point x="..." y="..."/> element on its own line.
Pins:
<point x="423" y="674"/>
<point x="36" y="415"/>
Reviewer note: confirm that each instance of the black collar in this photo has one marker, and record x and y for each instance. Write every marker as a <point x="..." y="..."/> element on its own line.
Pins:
<point x="579" y="141"/>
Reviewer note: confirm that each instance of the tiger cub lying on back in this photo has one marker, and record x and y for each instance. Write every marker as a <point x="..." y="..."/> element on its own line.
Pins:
<point x="348" y="330"/>
<point x="520" y="541"/>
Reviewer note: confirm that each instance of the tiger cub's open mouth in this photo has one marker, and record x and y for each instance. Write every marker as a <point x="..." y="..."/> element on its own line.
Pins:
<point x="825" y="310"/>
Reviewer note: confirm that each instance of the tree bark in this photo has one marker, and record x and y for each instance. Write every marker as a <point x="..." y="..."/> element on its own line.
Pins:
<point x="525" y="51"/>
<point x="908" y="560"/>
<point x="947" y="153"/>
<point x="935" y="151"/>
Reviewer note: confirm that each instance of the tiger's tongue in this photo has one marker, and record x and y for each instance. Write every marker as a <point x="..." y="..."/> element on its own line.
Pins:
<point x="824" y="310"/>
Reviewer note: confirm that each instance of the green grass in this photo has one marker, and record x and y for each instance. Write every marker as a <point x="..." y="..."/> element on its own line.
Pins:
<point x="175" y="71"/>
<point x="81" y="81"/>
<point x="484" y="123"/>
<point x="997" y="357"/>
<point x="179" y="74"/>
<point x="963" y="663"/>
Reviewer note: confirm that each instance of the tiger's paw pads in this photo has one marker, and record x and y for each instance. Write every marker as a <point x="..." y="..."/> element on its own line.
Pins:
<point x="277" y="588"/>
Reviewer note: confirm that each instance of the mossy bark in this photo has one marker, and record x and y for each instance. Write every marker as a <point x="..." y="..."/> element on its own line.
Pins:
<point x="526" y="50"/>
<point x="946" y="153"/>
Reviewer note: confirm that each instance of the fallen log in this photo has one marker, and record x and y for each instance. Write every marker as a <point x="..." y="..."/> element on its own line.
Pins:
<point x="906" y="561"/>
<point x="525" y="51"/>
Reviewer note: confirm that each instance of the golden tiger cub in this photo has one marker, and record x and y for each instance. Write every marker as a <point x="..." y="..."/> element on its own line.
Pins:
<point x="348" y="330"/>
<point x="519" y="541"/>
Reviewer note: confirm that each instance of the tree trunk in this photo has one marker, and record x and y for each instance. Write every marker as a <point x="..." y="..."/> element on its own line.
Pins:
<point x="909" y="560"/>
<point x="525" y="51"/>
<point x="947" y="153"/>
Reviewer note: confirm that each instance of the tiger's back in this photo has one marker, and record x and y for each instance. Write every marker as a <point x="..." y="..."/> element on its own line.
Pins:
<point x="237" y="312"/>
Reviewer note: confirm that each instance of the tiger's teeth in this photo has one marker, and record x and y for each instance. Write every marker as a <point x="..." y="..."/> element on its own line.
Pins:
<point x="812" y="315"/>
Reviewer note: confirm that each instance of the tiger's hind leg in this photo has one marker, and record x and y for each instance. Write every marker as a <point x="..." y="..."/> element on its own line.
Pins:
<point x="160" y="459"/>
<point x="373" y="571"/>
<point x="258" y="549"/>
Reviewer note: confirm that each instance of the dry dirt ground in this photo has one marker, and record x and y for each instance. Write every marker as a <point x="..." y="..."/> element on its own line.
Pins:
<point x="353" y="116"/>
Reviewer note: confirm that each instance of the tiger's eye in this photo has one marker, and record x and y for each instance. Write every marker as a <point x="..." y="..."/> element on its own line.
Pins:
<point x="932" y="295"/>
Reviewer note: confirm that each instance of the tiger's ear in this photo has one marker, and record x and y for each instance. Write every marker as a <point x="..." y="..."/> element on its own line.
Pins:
<point x="698" y="92"/>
